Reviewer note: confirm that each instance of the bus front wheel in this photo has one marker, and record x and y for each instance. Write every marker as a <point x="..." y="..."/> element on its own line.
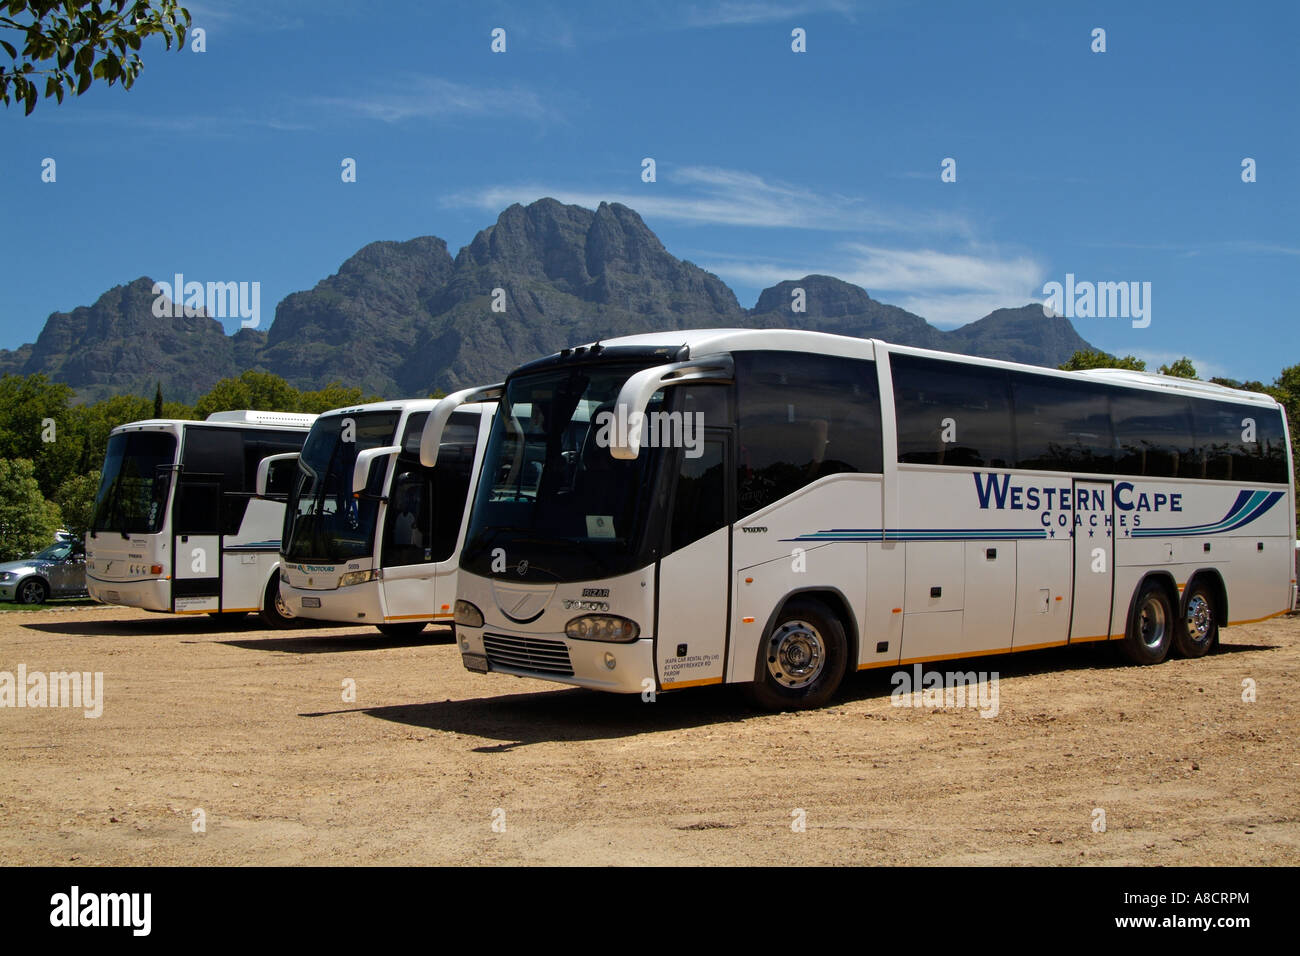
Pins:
<point x="802" y="660"/>
<point x="1150" y="625"/>
<point x="275" y="612"/>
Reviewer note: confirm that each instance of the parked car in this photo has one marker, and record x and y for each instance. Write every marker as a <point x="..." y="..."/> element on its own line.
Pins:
<point x="58" y="571"/>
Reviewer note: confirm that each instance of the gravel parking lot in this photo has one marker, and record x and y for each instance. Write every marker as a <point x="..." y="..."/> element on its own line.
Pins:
<point x="431" y="764"/>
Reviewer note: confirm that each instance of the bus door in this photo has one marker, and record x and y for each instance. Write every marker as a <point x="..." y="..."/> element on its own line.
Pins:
<point x="695" y="570"/>
<point x="196" y="545"/>
<point x="423" y="520"/>
<point x="1094" y="560"/>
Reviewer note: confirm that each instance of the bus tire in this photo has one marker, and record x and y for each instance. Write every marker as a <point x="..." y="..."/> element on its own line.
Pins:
<point x="275" y="612"/>
<point x="32" y="591"/>
<point x="801" y="660"/>
<point x="402" y="628"/>
<point x="1197" y="629"/>
<point x="1150" y="625"/>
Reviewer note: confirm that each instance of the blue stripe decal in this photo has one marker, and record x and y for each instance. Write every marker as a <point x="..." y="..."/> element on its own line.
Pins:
<point x="1248" y="507"/>
<point x="922" y="534"/>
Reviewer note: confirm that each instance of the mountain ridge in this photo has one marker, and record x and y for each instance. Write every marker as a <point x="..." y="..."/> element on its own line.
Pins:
<point x="401" y="318"/>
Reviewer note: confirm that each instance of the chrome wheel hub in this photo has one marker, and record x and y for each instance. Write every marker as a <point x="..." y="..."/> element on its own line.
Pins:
<point x="1198" y="617"/>
<point x="796" y="654"/>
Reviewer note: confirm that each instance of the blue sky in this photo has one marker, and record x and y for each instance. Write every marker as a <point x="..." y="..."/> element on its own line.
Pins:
<point x="1116" y="166"/>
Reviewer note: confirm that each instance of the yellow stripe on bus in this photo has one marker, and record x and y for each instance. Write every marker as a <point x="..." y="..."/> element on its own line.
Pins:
<point x="692" y="683"/>
<point x="1256" y="620"/>
<point x="411" y="617"/>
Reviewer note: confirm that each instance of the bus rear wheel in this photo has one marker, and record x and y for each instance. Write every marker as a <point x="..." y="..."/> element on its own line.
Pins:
<point x="1197" y="630"/>
<point x="802" y="660"/>
<point x="402" y="628"/>
<point x="275" y="612"/>
<point x="1150" y="626"/>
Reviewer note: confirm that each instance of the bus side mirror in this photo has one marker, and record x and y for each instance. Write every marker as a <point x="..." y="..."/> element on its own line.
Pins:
<point x="431" y="437"/>
<point x="361" y="470"/>
<point x="640" y="387"/>
<point x="264" y="468"/>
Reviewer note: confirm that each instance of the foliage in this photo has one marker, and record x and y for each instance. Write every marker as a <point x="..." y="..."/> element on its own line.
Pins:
<point x="76" y="501"/>
<point x="27" y="520"/>
<point x="1182" y="368"/>
<point x="1087" y="358"/>
<point x="71" y="44"/>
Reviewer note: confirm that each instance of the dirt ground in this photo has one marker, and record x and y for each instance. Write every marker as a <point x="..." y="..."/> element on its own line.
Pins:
<point x="434" y="765"/>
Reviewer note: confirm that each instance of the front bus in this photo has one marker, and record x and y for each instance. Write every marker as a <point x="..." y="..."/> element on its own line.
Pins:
<point x="777" y="508"/>
<point x="371" y="536"/>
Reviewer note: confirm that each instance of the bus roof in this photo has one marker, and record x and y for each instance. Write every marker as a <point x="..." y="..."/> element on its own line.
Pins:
<point x="700" y="342"/>
<point x="405" y="404"/>
<point x="250" y="417"/>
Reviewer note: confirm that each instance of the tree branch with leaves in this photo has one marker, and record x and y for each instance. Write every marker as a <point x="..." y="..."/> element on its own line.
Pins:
<point x="71" y="44"/>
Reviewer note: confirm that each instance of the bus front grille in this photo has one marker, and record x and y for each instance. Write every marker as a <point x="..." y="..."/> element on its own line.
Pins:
<point x="528" y="653"/>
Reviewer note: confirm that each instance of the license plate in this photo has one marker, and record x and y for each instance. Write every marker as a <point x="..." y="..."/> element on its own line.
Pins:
<point x="478" y="663"/>
<point x="111" y="597"/>
<point x="310" y="602"/>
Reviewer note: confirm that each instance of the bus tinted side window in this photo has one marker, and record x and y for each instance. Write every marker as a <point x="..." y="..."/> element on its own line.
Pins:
<point x="1153" y="434"/>
<point x="1062" y="424"/>
<point x="1221" y="431"/>
<point x="802" y="417"/>
<point x="700" y="492"/>
<point x="952" y="413"/>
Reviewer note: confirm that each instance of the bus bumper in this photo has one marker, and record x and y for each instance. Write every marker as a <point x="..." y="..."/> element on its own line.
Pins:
<point x="153" y="595"/>
<point x="358" y="604"/>
<point x="618" y="668"/>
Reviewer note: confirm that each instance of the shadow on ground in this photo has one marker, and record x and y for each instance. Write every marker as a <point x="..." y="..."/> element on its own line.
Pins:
<point x="354" y="639"/>
<point x="574" y="714"/>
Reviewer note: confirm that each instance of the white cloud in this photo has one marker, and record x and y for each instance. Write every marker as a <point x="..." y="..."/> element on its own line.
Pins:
<point x="710" y="195"/>
<point x="432" y="97"/>
<point x="948" y="289"/>
<point x="742" y="12"/>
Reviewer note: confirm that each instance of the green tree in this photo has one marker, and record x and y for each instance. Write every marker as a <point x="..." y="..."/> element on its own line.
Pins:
<point x="1182" y="368"/>
<point x="1089" y="358"/>
<point x="37" y="423"/>
<point x="158" y="402"/>
<point x="334" y="395"/>
<point x="76" y="501"/>
<point x="27" y="520"/>
<point x="72" y="43"/>
<point x="255" y="390"/>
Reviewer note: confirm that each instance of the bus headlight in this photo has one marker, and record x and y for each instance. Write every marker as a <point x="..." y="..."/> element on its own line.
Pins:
<point x="602" y="627"/>
<point x="358" y="577"/>
<point x="467" y="615"/>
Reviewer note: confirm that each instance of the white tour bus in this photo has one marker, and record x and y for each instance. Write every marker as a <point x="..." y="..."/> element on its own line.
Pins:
<point x="800" y="504"/>
<point x="177" y="526"/>
<point x="370" y="535"/>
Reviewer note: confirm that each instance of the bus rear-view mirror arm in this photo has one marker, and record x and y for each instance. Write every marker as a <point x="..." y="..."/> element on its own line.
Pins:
<point x="264" y="471"/>
<point x="431" y="437"/>
<point x="361" y="470"/>
<point x="637" y="391"/>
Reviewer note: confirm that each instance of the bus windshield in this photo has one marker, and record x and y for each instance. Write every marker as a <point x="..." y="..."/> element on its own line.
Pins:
<point x="551" y="491"/>
<point x="132" y="497"/>
<point x="323" y="521"/>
